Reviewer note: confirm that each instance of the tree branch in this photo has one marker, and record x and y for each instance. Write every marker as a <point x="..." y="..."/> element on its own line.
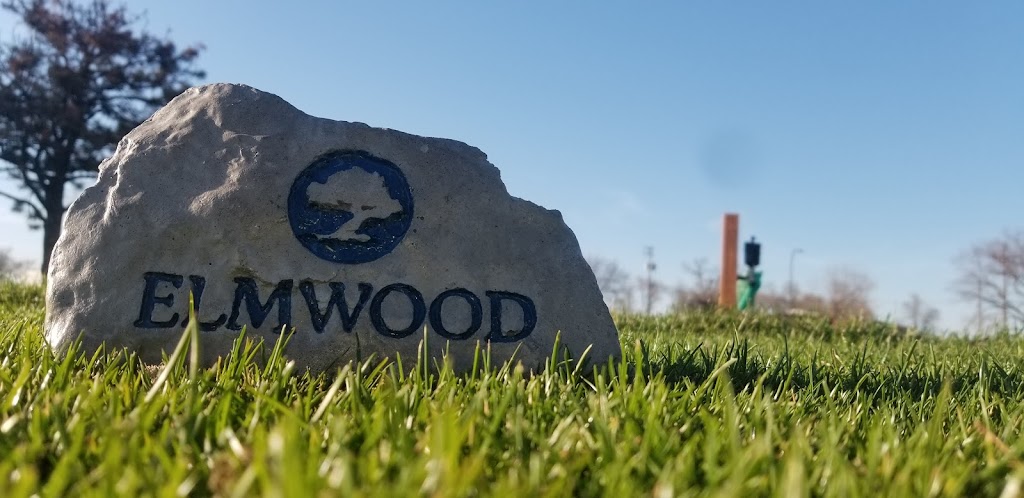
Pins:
<point x="82" y="175"/>
<point x="25" y="202"/>
<point x="24" y="171"/>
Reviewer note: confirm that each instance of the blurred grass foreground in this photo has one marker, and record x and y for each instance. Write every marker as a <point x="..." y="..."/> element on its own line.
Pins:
<point x="704" y="404"/>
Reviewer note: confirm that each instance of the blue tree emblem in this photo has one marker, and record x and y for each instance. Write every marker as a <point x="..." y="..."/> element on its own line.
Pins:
<point x="350" y="207"/>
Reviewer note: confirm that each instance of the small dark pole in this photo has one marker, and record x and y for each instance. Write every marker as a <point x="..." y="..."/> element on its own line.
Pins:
<point x="650" y="267"/>
<point x="791" y="291"/>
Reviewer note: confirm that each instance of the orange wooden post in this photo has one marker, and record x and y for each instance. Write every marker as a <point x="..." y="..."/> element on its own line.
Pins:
<point x="730" y="250"/>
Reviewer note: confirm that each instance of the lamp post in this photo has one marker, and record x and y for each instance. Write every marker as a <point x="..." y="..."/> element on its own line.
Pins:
<point x="650" y="267"/>
<point x="792" y="289"/>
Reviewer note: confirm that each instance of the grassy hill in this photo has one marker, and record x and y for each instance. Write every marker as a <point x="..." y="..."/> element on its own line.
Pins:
<point x="703" y="405"/>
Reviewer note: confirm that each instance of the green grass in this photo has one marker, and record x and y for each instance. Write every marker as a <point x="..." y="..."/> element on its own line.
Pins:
<point x="703" y="405"/>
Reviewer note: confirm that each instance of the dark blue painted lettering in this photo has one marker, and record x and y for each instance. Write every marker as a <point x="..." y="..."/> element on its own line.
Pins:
<point x="529" y="316"/>
<point x="476" y="314"/>
<point x="246" y="291"/>
<point x="337" y="300"/>
<point x="150" y="300"/>
<point x="419" y="310"/>
<point x="198" y="285"/>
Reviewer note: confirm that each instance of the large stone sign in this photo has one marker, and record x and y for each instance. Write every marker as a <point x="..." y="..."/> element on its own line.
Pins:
<point x="364" y="240"/>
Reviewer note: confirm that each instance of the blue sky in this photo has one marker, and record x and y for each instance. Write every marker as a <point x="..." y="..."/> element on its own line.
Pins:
<point x="880" y="136"/>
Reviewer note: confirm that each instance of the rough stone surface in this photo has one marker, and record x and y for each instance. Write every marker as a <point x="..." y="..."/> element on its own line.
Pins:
<point x="255" y="207"/>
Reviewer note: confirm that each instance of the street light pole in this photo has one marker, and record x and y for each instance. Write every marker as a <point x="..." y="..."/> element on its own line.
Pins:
<point x="649" y="304"/>
<point x="792" y="289"/>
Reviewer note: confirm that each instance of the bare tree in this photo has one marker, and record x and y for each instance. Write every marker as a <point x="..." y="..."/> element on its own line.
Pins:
<point x="777" y="302"/>
<point x="970" y="285"/>
<point x="812" y="303"/>
<point x="848" y="294"/>
<point x="991" y="277"/>
<point x="920" y="315"/>
<point x="701" y="292"/>
<point x="782" y="302"/>
<point x="614" y="282"/>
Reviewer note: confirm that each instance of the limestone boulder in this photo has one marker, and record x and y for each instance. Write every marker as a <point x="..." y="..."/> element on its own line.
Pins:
<point x="364" y="240"/>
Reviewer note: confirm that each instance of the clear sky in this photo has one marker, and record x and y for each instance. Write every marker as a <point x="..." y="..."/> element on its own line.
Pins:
<point x="881" y="136"/>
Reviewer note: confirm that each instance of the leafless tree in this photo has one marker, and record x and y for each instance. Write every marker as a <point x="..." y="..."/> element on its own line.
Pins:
<point x="777" y="302"/>
<point x="781" y="302"/>
<point x="813" y="303"/>
<point x="614" y="282"/>
<point x="848" y="294"/>
<point x="920" y="315"/>
<point x="991" y="276"/>
<point x="970" y="285"/>
<point x="701" y="291"/>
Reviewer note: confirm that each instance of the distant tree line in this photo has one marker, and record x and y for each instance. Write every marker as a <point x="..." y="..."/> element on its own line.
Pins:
<point x="989" y="276"/>
<point x="846" y="296"/>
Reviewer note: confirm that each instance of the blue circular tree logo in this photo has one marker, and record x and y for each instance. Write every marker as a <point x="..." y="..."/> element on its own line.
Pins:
<point x="350" y="207"/>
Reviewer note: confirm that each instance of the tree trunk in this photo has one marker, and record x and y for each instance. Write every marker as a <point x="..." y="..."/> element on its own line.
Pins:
<point x="51" y="231"/>
<point x="54" y="205"/>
